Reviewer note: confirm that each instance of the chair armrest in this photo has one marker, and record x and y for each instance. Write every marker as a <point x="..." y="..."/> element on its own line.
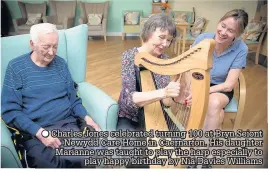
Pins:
<point x="242" y="100"/>
<point x="82" y="20"/>
<point x="68" y="22"/>
<point x="50" y="19"/>
<point x="18" y="22"/>
<point x="245" y="36"/>
<point x="9" y="154"/>
<point x="101" y="107"/>
<point x="196" y="28"/>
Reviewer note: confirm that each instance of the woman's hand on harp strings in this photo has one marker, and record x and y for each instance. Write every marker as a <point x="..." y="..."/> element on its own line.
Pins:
<point x="171" y="90"/>
<point x="188" y="100"/>
<point x="144" y="98"/>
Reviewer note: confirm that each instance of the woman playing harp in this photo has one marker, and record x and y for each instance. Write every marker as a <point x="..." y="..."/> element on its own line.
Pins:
<point x="157" y="34"/>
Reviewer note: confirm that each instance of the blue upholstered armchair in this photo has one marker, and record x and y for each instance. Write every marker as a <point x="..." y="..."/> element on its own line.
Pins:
<point x="73" y="47"/>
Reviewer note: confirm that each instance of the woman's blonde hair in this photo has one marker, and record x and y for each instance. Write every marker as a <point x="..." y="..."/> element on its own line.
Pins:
<point x="240" y="16"/>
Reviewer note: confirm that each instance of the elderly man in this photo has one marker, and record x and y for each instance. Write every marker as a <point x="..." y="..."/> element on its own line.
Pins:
<point x="39" y="95"/>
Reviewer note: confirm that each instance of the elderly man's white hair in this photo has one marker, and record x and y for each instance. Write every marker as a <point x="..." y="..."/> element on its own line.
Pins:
<point x="40" y="29"/>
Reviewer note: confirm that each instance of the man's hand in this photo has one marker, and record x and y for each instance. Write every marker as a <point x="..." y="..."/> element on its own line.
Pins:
<point x="91" y="123"/>
<point x="48" y="141"/>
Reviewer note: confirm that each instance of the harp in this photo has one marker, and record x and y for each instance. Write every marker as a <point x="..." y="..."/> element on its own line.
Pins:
<point x="193" y="65"/>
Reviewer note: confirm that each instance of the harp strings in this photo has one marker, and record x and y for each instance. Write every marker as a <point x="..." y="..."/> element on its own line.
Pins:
<point x="187" y="108"/>
<point x="177" y="118"/>
<point x="183" y="105"/>
<point x="181" y="111"/>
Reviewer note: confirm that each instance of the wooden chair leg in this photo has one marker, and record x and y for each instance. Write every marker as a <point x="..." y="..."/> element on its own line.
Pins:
<point x="122" y="36"/>
<point x="105" y="38"/>
<point x="257" y="54"/>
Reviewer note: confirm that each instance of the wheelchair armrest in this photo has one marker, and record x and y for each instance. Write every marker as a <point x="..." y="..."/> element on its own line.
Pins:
<point x="101" y="107"/>
<point x="9" y="154"/>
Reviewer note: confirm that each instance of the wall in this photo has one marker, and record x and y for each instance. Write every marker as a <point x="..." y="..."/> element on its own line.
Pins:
<point x="211" y="9"/>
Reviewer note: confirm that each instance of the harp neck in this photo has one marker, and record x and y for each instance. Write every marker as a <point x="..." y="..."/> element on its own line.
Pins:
<point x="198" y="57"/>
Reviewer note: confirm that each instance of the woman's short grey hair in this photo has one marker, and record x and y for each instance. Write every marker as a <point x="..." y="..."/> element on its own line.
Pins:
<point x="161" y="21"/>
<point x="41" y="29"/>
